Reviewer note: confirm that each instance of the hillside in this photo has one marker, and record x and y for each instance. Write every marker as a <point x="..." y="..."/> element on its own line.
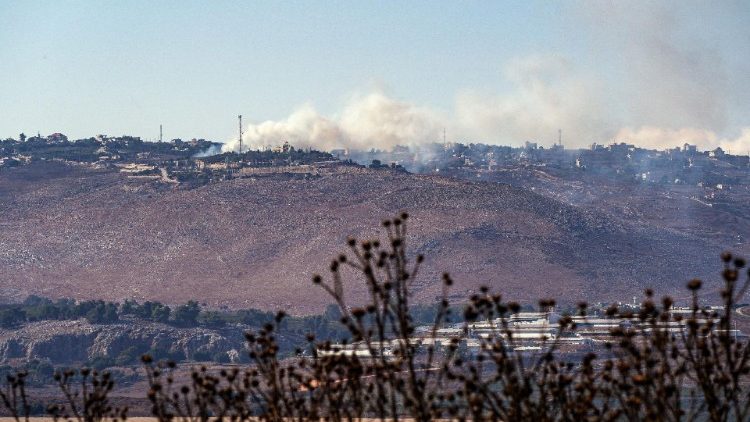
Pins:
<point x="68" y="342"/>
<point x="255" y="242"/>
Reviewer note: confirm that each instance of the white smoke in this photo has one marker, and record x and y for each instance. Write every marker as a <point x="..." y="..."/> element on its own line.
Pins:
<point x="668" y="74"/>
<point x="673" y="85"/>
<point x="380" y="121"/>
<point x="212" y="150"/>
<point x="534" y="111"/>
<point x="667" y="87"/>
<point x="547" y="96"/>
<point x="370" y="121"/>
<point x="303" y="128"/>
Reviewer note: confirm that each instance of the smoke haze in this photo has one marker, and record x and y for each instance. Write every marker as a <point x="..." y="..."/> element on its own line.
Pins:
<point x="669" y="87"/>
<point x="373" y="120"/>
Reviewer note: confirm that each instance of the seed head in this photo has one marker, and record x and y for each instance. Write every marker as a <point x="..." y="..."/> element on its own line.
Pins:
<point x="694" y="284"/>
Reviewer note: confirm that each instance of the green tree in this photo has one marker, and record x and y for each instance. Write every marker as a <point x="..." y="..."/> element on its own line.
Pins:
<point x="129" y="307"/>
<point x="160" y="313"/>
<point x="187" y="315"/>
<point x="213" y="320"/>
<point x="12" y="318"/>
<point x="102" y="313"/>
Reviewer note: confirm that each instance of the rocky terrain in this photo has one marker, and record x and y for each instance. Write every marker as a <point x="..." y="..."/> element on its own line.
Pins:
<point x="69" y="231"/>
<point x="73" y="342"/>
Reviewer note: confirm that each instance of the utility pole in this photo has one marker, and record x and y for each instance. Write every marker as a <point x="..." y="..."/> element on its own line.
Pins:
<point x="240" y="119"/>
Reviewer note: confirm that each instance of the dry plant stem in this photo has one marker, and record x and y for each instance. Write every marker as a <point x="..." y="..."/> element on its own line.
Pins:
<point x="657" y="364"/>
<point x="14" y="396"/>
<point x="89" y="400"/>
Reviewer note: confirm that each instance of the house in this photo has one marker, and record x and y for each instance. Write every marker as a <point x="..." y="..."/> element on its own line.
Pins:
<point x="691" y="149"/>
<point x="56" y="138"/>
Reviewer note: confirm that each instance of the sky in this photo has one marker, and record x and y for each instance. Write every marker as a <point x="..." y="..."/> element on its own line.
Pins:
<point x="376" y="74"/>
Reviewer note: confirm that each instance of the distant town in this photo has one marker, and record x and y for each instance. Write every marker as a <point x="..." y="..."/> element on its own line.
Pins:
<point x="531" y="332"/>
<point x="199" y="161"/>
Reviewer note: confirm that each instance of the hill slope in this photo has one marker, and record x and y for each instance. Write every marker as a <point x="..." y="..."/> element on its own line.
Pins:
<point x="255" y="242"/>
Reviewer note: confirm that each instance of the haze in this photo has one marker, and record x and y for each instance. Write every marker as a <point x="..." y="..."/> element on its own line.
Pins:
<point x="330" y="74"/>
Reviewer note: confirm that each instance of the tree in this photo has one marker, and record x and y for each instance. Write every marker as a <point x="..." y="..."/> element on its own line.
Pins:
<point x="129" y="307"/>
<point x="11" y="318"/>
<point x="160" y="313"/>
<point x="213" y="320"/>
<point x="102" y="313"/>
<point x="187" y="315"/>
<point x="255" y="317"/>
<point x="110" y="313"/>
<point x="43" y="312"/>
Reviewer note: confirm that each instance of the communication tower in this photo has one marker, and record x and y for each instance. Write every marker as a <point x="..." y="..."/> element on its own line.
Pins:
<point x="240" y="119"/>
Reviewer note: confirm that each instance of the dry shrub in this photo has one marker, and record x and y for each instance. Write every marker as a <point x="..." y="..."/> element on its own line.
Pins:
<point x="661" y="365"/>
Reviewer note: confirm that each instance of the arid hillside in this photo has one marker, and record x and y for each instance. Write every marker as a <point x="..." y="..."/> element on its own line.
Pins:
<point x="255" y="242"/>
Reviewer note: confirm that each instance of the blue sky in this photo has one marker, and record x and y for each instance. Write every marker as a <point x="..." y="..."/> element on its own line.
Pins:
<point x="595" y="69"/>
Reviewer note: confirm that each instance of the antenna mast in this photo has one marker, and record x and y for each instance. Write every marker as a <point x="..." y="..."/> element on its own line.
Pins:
<point x="161" y="133"/>
<point x="240" y="119"/>
<point x="559" y="136"/>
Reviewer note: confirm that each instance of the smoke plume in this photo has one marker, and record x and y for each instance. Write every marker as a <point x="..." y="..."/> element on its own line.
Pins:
<point x="547" y="96"/>
<point x="370" y="121"/>
<point x="667" y="86"/>
<point x="212" y="150"/>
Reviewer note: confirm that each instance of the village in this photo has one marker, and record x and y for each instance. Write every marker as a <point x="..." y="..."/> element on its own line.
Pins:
<point x="174" y="162"/>
<point x="201" y="161"/>
<point x="530" y="333"/>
